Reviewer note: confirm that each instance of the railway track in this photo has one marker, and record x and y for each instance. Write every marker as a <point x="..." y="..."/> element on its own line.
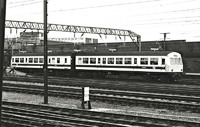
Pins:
<point x="175" y="102"/>
<point x="189" y="90"/>
<point x="32" y="115"/>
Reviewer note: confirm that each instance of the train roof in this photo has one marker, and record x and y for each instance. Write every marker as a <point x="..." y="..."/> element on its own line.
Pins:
<point x="137" y="53"/>
<point x="42" y="54"/>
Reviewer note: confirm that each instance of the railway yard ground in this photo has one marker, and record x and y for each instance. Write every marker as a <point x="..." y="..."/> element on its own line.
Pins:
<point x="143" y="109"/>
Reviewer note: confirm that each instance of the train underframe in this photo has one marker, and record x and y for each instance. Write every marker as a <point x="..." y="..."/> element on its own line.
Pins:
<point x="153" y="76"/>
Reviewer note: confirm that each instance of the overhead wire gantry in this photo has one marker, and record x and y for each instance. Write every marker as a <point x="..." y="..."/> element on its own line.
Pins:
<point x="75" y="29"/>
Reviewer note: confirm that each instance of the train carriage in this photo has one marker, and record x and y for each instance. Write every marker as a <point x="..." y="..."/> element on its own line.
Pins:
<point x="34" y="62"/>
<point x="133" y="63"/>
<point x="101" y="64"/>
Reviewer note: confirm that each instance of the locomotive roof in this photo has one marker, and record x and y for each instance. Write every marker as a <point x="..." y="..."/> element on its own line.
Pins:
<point x="142" y="53"/>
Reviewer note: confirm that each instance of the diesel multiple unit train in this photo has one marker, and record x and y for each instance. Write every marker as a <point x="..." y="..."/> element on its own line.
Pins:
<point x="155" y="64"/>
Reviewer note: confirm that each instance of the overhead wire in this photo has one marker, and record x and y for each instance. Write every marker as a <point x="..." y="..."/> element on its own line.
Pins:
<point x="24" y="4"/>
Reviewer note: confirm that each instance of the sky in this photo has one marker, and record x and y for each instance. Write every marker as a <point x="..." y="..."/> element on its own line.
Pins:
<point x="148" y="18"/>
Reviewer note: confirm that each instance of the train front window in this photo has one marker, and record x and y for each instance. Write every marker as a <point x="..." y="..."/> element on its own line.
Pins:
<point x="180" y="61"/>
<point x="144" y="61"/>
<point x="119" y="60"/>
<point x="153" y="61"/>
<point x="128" y="61"/>
<point x="92" y="60"/>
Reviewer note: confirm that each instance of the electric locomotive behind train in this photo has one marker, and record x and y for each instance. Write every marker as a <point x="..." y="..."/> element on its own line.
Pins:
<point x="146" y="63"/>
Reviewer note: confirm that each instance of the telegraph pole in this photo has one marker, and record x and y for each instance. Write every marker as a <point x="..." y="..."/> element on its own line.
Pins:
<point x="165" y="35"/>
<point x="2" y="34"/>
<point x="45" y="55"/>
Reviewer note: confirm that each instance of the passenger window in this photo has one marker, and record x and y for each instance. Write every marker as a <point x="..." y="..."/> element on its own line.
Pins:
<point x="21" y="60"/>
<point x="30" y="60"/>
<point x="144" y="61"/>
<point x="26" y="60"/>
<point x="110" y="60"/>
<point x="13" y="59"/>
<point x="163" y="61"/>
<point x="153" y="61"/>
<point x="79" y="60"/>
<point x="35" y="60"/>
<point x="119" y="60"/>
<point x="58" y="60"/>
<point x="65" y="60"/>
<point x="16" y="60"/>
<point x="135" y="60"/>
<point x="41" y="60"/>
<point x="53" y="60"/>
<point x="104" y="60"/>
<point x="128" y="61"/>
<point x="92" y="60"/>
<point x="99" y="60"/>
<point x="85" y="60"/>
<point x="49" y="60"/>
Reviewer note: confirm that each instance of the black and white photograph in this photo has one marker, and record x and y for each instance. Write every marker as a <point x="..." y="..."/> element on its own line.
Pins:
<point x="99" y="63"/>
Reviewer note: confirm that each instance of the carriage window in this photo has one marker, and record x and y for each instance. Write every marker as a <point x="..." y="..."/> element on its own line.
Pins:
<point x="99" y="60"/>
<point x="153" y="61"/>
<point x="128" y="61"/>
<point x="49" y="60"/>
<point x="163" y="61"/>
<point x="85" y="60"/>
<point x="41" y="60"/>
<point x="21" y="60"/>
<point x="26" y="60"/>
<point x="35" y="60"/>
<point x="16" y="60"/>
<point x="144" y="61"/>
<point x="110" y="60"/>
<point x="53" y="60"/>
<point x="65" y="60"/>
<point x="104" y="60"/>
<point x="92" y="60"/>
<point x="58" y="60"/>
<point x="13" y="59"/>
<point x="135" y="60"/>
<point x="30" y="60"/>
<point x="79" y="60"/>
<point x="119" y="60"/>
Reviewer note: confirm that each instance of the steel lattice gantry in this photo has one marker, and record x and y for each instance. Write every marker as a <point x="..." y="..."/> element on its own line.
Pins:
<point x="75" y="29"/>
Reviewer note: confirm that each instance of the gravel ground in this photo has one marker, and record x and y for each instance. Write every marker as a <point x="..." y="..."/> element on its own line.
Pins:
<point x="100" y="106"/>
